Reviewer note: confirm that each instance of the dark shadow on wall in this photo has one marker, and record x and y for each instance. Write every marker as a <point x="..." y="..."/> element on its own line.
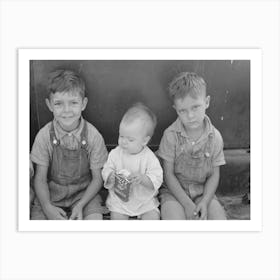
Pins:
<point x="112" y="86"/>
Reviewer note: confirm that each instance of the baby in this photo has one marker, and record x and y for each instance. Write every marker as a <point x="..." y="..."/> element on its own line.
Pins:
<point x="132" y="173"/>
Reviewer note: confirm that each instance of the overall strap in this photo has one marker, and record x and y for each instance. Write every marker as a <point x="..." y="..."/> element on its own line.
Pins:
<point x="84" y="136"/>
<point x="181" y="139"/>
<point x="210" y="143"/>
<point x="53" y="139"/>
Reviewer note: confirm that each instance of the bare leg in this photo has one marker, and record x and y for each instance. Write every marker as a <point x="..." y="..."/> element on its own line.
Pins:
<point x="151" y="215"/>
<point x="172" y="210"/>
<point x="94" y="216"/>
<point x="118" y="216"/>
<point x="216" y="211"/>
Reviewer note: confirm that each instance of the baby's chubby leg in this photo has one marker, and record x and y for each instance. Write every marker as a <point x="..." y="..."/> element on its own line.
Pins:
<point x="118" y="216"/>
<point x="151" y="215"/>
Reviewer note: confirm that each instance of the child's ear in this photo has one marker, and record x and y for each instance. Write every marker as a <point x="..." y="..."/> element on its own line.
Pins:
<point x="49" y="104"/>
<point x="85" y="101"/>
<point x="207" y="101"/>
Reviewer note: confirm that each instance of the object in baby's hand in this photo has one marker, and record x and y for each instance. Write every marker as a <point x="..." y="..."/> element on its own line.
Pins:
<point x="122" y="185"/>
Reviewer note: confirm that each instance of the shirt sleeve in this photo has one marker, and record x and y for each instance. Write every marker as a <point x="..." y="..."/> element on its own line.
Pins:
<point x="167" y="146"/>
<point x="154" y="171"/>
<point x="41" y="149"/>
<point x="218" y="153"/>
<point x="97" y="152"/>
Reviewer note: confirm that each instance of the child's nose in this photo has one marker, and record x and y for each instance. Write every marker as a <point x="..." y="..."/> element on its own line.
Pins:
<point x="66" y="107"/>
<point x="190" y="114"/>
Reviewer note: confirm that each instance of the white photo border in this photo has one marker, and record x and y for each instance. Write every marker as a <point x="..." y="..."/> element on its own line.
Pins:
<point x="255" y="57"/>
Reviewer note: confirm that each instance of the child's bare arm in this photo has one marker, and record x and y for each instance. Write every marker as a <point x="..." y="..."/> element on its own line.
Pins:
<point x="209" y="191"/>
<point x="42" y="192"/>
<point x="92" y="189"/>
<point x="143" y="179"/>
<point x="175" y="187"/>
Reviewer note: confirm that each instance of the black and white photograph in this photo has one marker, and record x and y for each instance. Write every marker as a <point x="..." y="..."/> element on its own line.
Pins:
<point x="141" y="139"/>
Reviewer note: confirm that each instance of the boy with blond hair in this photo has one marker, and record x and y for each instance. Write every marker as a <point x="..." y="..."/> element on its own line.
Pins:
<point x="191" y="150"/>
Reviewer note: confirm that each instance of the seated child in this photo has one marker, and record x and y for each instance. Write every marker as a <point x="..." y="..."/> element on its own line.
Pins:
<point x="132" y="173"/>
<point x="69" y="153"/>
<point x="191" y="150"/>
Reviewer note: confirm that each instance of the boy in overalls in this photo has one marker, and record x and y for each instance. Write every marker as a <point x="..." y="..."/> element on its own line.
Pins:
<point x="69" y="153"/>
<point x="191" y="150"/>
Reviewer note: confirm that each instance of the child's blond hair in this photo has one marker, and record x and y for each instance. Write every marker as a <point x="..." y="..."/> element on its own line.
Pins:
<point x="186" y="83"/>
<point x="141" y="112"/>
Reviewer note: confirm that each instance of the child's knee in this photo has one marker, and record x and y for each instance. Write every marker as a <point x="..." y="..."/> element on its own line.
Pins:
<point x="94" y="216"/>
<point x="216" y="211"/>
<point x="172" y="210"/>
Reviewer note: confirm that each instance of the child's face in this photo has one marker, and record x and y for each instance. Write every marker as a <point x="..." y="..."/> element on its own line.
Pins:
<point x="67" y="108"/>
<point x="132" y="137"/>
<point x="191" y="111"/>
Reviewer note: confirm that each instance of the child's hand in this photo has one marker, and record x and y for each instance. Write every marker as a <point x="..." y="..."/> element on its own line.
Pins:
<point x="77" y="213"/>
<point x="55" y="213"/>
<point x="189" y="210"/>
<point x="136" y="178"/>
<point x="201" y="210"/>
<point x="110" y="180"/>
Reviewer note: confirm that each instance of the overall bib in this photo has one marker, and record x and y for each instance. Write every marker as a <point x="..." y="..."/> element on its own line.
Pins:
<point x="193" y="164"/>
<point x="69" y="176"/>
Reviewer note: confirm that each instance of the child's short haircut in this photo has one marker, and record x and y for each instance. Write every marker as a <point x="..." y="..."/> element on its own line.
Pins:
<point x="65" y="81"/>
<point x="139" y="111"/>
<point x="186" y="83"/>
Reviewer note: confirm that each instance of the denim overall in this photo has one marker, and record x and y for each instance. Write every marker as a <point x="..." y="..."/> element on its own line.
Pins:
<point x="69" y="171"/>
<point x="193" y="163"/>
<point x="69" y="175"/>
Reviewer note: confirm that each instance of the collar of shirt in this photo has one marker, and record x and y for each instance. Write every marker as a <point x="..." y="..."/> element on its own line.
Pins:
<point x="177" y="126"/>
<point x="69" y="139"/>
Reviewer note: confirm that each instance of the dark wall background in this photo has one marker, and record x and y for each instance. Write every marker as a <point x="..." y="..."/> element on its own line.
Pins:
<point x="112" y="86"/>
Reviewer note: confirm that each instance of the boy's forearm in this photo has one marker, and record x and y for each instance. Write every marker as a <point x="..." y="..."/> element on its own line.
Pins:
<point x="42" y="193"/>
<point x="211" y="186"/>
<point x="177" y="190"/>
<point x="92" y="189"/>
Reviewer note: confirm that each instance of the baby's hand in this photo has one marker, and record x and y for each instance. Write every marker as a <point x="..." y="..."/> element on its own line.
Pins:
<point x="110" y="180"/>
<point x="77" y="213"/>
<point x="136" y="178"/>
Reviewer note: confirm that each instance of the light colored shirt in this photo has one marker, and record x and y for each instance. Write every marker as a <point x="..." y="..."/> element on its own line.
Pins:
<point x="141" y="198"/>
<point x="42" y="147"/>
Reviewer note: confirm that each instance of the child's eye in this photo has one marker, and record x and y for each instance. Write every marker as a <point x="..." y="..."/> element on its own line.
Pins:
<point x="57" y="103"/>
<point x="75" y="102"/>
